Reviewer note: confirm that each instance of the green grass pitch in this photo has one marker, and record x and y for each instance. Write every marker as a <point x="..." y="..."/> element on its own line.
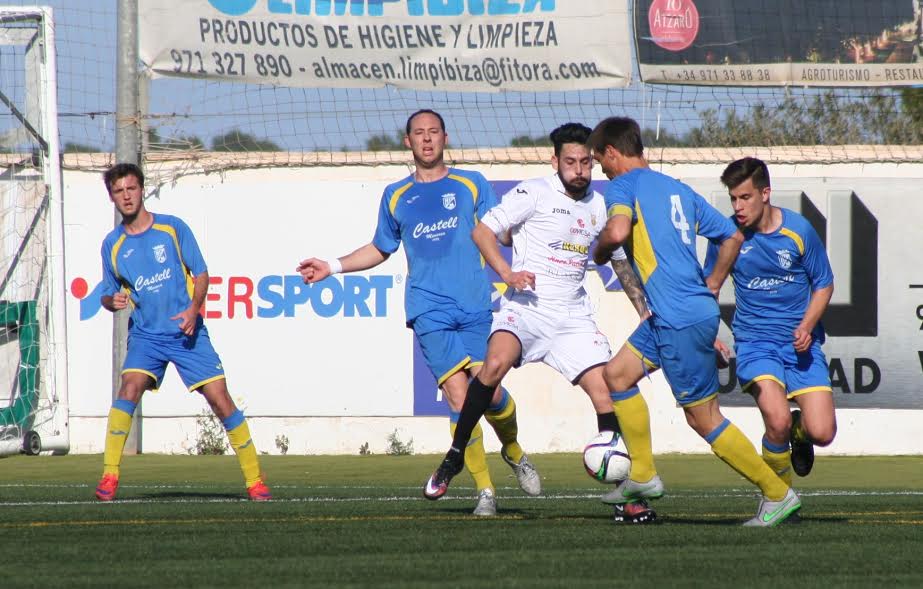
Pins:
<point x="359" y="521"/>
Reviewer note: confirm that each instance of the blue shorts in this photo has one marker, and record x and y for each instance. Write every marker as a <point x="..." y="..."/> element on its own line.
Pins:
<point x="797" y="372"/>
<point x="194" y="357"/>
<point x="452" y="340"/>
<point x="687" y="357"/>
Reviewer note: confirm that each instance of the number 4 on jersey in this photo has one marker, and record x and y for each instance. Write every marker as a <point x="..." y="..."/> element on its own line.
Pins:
<point x="679" y="218"/>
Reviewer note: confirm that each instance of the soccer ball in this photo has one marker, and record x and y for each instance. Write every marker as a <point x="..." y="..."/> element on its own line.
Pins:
<point x="605" y="458"/>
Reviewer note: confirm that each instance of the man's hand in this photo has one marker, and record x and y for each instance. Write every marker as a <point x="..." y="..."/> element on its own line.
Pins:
<point x="313" y="270"/>
<point x="120" y="300"/>
<point x="520" y="280"/>
<point x="803" y="339"/>
<point x="713" y="285"/>
<point x="187" y="319"/>
<point x="722" y="354"/>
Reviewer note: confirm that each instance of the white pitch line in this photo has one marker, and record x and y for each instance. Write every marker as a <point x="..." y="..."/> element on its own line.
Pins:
<point x="732" y="492"/>
<point x="552" y="497"/>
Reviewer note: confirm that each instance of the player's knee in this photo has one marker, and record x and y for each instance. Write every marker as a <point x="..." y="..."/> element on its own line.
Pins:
<point x="615" y="377"/>
<point x="609" y="373"/>
<point x="129" y="395"/>
<point x="494" y="369"/>
<point x="131" y="391"/>
<point x="698" y="423"/>
<point x="778" y="426"/>
<point x="823" y="435"/>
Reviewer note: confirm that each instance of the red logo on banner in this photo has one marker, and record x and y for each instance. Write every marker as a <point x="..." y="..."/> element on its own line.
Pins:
<point x="674" y="23"/>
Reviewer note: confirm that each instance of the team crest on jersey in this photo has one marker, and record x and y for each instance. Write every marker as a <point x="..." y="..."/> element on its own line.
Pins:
<point x="448" y="200"/>
<point x="160" y="253"/>
<point x="593" y="220"/>
<point x="785" y="258"/>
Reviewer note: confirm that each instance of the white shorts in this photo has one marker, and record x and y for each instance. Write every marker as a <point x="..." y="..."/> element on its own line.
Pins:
<point x="565" y="338"/>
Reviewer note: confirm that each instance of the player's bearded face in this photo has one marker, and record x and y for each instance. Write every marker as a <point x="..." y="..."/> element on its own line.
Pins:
<point x="126" y="194"/>
<point x="427" y="140"/>
<point x="575" y="168"/>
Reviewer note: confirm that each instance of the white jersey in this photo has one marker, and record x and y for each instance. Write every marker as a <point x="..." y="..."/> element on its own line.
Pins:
<point x="552" y="234"/>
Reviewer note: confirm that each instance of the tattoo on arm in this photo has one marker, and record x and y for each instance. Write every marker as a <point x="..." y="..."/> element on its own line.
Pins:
<point x="631" y="284"/>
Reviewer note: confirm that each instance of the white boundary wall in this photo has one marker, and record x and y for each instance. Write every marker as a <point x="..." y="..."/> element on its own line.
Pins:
<point x="332" y="384"/>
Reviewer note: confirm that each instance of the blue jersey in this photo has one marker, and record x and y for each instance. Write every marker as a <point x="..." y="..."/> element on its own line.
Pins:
<point x="434" y="220"/>
<point x="156" y="269"/>
<point x="774" y="277"/>
<point x="666" y="216"/>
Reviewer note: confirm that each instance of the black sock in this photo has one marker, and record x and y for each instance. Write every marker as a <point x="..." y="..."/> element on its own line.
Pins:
<point x="476" y="403"/>
<point x="607" y="422"/>
<point x="455" y="457"/>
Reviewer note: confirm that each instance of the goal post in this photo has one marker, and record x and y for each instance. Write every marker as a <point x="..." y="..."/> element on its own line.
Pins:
<point x="33" y="354"/>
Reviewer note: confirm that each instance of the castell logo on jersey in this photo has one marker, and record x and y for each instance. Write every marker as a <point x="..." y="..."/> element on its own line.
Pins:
<point x="442" y="225"/>
<point x="143" y="282"/>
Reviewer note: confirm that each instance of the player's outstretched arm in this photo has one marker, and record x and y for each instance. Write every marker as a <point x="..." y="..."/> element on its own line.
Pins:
<point x="727" y="255"/>
<point x="631" y="284"/>
<point x="820" y="298"/>
<point x="314" y="269"/>
<point x="486" y="241"/>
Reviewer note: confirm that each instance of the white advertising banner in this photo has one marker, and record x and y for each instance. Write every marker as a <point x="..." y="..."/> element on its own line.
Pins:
<point x="336" y="357"/>
<point x="288" y="349"/>
<point x="449" y="45"/>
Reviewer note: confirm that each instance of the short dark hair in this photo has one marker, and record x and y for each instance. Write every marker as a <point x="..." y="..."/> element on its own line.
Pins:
<point x="424" y="111"/>
<point x="119" y="171"/>
<point x="740" y="170"/>
<point x="622" y="133"/>
<point x="569" y="133"/>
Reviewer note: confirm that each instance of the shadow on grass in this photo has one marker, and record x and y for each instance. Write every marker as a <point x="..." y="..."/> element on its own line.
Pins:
<point x="673" y="520"/>
<point x="188" y="496"/>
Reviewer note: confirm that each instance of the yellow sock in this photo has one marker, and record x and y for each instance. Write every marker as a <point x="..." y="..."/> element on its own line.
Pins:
<point x="732" y="446"/>
<point x="117" y="428"/>
<point x="635" y="421"/>
<point x="242" y="443"/>
<point x="476" y="458"/>
<point x="503" y="419"/>
<point x="779" y="459"/>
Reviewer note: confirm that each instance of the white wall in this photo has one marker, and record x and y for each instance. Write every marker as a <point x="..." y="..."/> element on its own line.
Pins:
<point x="331" y="384"/>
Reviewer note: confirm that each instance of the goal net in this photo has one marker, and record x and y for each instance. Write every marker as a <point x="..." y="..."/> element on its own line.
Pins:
<point x="198" y="120"/>
<point x="33" y="362"/>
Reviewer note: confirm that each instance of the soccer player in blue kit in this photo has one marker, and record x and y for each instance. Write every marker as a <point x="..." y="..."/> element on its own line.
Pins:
<point x="657" y="218"/>
<point x="782" y="284"/>
<point x="152" y="265"/>
<point x="447" y="298"/>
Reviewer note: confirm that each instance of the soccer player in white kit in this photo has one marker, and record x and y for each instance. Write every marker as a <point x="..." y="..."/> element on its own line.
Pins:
<point x="546" y="316"/>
